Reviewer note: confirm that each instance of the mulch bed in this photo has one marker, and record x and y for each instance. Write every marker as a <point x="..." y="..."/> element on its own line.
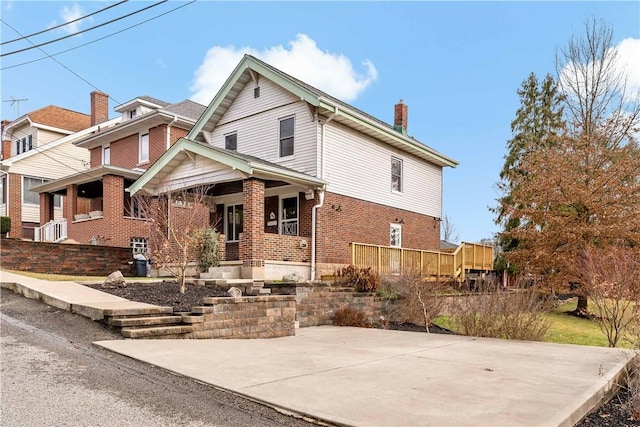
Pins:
<point x="167" y="294"/>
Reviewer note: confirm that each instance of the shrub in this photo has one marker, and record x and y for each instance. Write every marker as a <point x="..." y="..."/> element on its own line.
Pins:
<point x="421" y="300"/>
<point x="517" y="314"/>
<point x="350" y="317"/>
<point x="362" y="279"/>
<point x="207" y="248"/>
<point x="5" y="224"/>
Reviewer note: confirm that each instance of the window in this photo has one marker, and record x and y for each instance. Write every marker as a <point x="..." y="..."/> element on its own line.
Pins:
<point x="396" y="175"/>
<point x="234" y="223"/>
<point x="33" y="198"/>
<point x="106" y="155"/>
<point x="24" y="144"/>
<point x="131" y="206"/>
<point x="231" y="141"/>
<point x="138" y="245"/>
<point x="395" y="235"/>
<point x="289" y="216"/>
<point x="132" y="114"/>
<point x="3" y="190"/>
<point x="286" y="136"/>
<point x="143" y="153"/>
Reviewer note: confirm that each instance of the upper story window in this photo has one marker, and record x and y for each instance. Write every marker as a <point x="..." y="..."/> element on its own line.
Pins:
<point x="131" y="114"/>
<point x="143" y="152"/>
<point x="106" y="155"/>
<point x="24" y="144"/>
<point x="396" y="175"/>
<point x="33" y="198"/>
<point x="287" y="127"/>
<point x="231" y="141"/>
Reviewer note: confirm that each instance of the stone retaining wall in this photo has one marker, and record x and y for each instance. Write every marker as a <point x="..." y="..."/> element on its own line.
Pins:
<point x="246" y="317"/>
<point x="70" y="259"/>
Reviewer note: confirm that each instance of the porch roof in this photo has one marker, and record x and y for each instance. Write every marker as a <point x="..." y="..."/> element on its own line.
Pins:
<point x="244" y="165"/>
<point x="90" y="175"/>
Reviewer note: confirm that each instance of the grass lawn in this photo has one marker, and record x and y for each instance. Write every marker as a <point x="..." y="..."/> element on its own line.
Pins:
<point x="564" y="328"/>
<point x="69" y="278"/>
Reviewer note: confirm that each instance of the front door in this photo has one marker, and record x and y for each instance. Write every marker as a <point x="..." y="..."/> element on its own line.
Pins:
<point x="289" y="215"/>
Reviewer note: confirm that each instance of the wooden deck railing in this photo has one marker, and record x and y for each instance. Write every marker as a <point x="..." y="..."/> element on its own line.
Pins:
<point x="387" y="260"/>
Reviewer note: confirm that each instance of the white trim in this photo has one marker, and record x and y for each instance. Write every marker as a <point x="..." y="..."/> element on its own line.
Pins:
<point x="396" y="226"/>
<point x="281" y="213"/>
<point x="104" y="149"/>
<point x="289" y="156"/>
<point x="140" y="159"/>
<point x="401" y="183"/>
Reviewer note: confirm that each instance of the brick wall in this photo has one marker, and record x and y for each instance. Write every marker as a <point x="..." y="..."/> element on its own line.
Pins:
<point x="79" y="260"/>
<point x="279" y="247"/>
<point x="15" y="204"/>
<point x="252" y="236"/>
<point x="95" y="156"/>
<point x="247" y="317"/>
<point x="353" y="220"/>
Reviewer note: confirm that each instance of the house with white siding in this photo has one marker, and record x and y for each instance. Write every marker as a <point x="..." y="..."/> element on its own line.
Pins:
<point x="40" y="148"/>
<point x="298" y="176"/>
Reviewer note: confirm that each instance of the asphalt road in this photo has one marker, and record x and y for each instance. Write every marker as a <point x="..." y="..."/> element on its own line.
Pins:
<point x="51" y="375"/>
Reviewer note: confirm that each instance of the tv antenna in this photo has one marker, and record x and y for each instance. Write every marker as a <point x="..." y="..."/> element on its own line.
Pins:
<point x="16" y="102"/>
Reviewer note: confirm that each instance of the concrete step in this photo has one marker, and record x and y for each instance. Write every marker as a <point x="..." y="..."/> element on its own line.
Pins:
<point x="123" y="322"/>
<point x="160" y="331"/>
<point x="143" y="311"/>
<point x="190" y="319"/>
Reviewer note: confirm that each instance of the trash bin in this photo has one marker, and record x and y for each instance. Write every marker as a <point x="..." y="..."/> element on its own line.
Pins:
<point x="141" y="265"/>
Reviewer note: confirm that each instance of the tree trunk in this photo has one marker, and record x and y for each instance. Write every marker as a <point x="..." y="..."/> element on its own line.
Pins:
<point x="582" y="307"/>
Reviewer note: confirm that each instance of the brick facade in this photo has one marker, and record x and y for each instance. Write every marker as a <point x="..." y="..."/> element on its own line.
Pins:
<point x="278" y="247"/>
<point x="252" y="236"/>
<point x="343" y="220"/>
<point x="15" y="204"/>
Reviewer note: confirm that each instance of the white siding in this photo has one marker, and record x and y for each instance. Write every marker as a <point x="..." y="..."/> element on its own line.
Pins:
<point x="19" y="134"/>
<point x="202" y="171"/>
<point x="256" y="121"/>
<point x="30" y="213"/>
<point x="3" y="209"/>
<point x="56" y="162"/>
<point x="359" y="166"/>
<point x="43" y="137"/>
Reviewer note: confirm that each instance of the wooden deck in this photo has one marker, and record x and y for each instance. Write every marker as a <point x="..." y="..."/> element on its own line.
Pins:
<point x="454" y="264"/>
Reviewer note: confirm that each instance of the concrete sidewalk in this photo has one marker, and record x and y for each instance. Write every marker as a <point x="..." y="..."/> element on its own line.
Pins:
<point x="370" y="377"/>
<point x="72" y="296"/>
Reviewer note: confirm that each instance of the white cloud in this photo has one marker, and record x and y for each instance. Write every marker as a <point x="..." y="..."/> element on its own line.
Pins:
<point x="629" y="62"/>
<point x="69" y="14"/>
<point x="330" y="72"/>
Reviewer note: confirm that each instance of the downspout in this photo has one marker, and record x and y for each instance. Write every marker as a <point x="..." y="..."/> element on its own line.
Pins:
<point x="315" y="208"/>
<point x="175" y="119"/>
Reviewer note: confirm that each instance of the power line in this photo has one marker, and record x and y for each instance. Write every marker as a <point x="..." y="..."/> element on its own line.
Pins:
<point x="98" y="39"/>
<point x="65" y="23"/>
<point x="62" y="65"/>
<point x="83" y="31"/>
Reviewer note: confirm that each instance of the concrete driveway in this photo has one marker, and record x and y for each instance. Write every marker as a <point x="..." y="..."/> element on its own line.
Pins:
<point x="371" y="377"/>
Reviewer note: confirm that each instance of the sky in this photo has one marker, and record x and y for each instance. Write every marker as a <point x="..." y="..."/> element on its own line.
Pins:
<point x="457" y="65"/>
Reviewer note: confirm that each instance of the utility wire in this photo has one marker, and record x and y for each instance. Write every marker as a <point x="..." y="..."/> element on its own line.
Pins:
<point x="64" y="23"/>
<point x="98" y="39"/>
<point x="62" y="65"/>
<point x="83" y="31"/>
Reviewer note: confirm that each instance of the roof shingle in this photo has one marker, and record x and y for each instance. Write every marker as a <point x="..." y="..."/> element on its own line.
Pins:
<point x="60" y="118"/>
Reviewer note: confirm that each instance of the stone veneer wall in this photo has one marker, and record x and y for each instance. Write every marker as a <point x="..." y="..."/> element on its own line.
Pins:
<point x="58" y="258"/>
<point x="270" y="316"/>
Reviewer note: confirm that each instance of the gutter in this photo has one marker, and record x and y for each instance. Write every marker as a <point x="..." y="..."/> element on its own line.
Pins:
<point x="175" y="119"/>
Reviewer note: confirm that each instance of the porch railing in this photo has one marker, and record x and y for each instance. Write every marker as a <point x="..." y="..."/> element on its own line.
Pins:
<point x="387" y="260"/>
<point x="54" y="231"/>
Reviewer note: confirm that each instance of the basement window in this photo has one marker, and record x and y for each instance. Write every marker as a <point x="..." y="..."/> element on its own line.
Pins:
<point x="138" y="245"/>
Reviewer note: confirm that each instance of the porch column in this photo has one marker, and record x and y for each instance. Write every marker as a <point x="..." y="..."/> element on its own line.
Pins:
<point x="252" y="236"/>
<point x="71" y="202"/>
<point x="46" y="208"/>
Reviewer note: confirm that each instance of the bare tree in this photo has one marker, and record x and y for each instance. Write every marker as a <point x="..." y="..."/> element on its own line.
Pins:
<point x="449" y="230"/>
<point x="611" y="279"/>
<point x="175" y="219"/>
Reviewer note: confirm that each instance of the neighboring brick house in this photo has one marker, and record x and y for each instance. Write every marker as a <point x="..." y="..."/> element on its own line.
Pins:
<point x="37" y="148"/>
<point x="99" y="209"/>
<point x="298" y="175"/>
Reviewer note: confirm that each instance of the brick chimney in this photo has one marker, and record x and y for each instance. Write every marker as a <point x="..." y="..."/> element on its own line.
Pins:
<point x="99" y="107"/>
<point x="6" y="145"/>
<point x="400" y="117"/>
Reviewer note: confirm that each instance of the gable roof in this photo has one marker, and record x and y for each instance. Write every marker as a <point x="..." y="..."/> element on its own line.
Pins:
<point x="186" y="108"/>
<point x="250" y="68"/>
<point x="249" y="165"/>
